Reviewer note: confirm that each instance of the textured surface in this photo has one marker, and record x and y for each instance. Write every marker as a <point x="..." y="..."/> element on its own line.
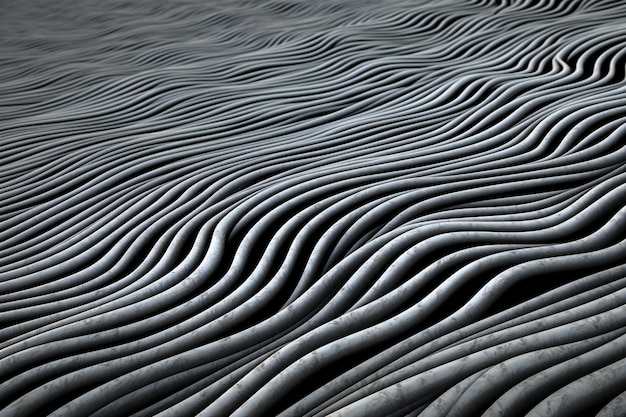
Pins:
<point x="308" y="208"/>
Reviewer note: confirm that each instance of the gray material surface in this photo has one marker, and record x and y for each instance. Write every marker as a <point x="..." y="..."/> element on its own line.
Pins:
<point x="302" y="208"/>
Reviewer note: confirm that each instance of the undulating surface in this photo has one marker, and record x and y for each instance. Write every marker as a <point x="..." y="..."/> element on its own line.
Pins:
<point x="308" y="208"/>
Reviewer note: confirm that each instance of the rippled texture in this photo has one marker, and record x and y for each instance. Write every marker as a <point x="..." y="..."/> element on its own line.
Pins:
<point x="305" y="208"/>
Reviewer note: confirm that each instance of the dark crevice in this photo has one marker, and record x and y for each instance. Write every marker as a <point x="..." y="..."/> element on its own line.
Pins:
<point x="536" y="285"/>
